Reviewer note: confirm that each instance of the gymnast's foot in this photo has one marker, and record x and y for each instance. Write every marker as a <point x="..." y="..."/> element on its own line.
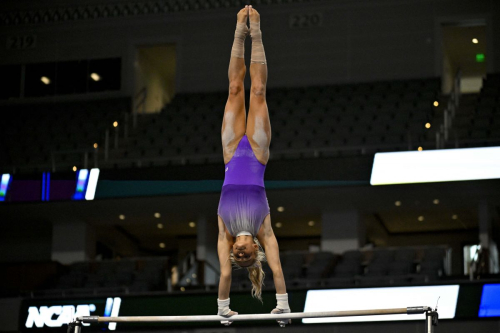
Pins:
<point x="258" y="54"/>
<point x="241" y="32"/>
<point x="242" y="16"/>
<point x="254" y="16"/>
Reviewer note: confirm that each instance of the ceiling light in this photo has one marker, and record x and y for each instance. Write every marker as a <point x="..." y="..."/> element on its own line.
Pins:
<point x="420" y="218"/>
<point x="157" y="215"/>
<point x="436" y="103"/>
<point x="121" y="217"/>
<point x="397" y="203"/>
<point x="115" y="124"/>
<point x="162" y="245"/>
<point x="160" y="225"/>
<point x="95" y="77"/>
<point x="74" y="168"/>
<point x="454" y="217"/>
<point x="96" y="145"/>
<point x="188" y="280"/>
<point x="420" y="148"/>
<point x="310" y="223"/>
<point x="193" y="276"/>
<point x="183" y="289"/>
<point x="192" y="224"/>
<point x="435" y="201"/>
<point x="278" y="224"/>
<point x="428" y="125"/>
<point x="475" y="41"/>
<point x="281" y="209"/>
<point x="45" y="80"/>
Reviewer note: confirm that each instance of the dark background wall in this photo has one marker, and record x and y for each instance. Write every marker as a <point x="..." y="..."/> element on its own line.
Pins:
<point x="362" y="40"/>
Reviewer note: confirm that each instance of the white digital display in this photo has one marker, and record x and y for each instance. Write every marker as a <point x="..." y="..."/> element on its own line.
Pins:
<point x="441" y="165"/>
<point x="381" y="298"/>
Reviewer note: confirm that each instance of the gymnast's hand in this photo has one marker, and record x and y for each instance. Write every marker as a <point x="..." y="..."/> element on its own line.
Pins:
<point x="225" y="311"/>
<point x="228" y="322"/>
<point x="283" y="322"/>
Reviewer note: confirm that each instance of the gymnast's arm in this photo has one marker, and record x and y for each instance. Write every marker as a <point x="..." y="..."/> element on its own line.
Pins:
<point x="268" y="241"/>
<point x="224" y="244"/>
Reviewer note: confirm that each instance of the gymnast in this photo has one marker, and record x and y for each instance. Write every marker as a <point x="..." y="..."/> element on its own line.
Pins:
<point x="245" y="230"/>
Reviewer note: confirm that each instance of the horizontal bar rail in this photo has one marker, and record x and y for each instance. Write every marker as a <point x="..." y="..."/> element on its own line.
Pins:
<point x="295" y="315"/>
<point x="431" y="317"/>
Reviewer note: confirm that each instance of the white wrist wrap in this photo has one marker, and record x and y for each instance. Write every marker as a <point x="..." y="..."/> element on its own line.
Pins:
<point x="223" y="305"/>
<point x="282" y="301"/>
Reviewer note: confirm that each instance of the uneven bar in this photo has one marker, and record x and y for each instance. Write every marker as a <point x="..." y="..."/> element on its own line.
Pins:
<point x="295" y="315"/>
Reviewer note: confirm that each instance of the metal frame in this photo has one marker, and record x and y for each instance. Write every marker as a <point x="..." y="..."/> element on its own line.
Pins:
<point x="431" y="317"/>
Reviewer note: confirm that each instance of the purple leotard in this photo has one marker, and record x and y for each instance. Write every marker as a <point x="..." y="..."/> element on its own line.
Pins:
<point x="243" y="203"/>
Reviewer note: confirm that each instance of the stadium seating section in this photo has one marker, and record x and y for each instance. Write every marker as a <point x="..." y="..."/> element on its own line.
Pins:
<point x="313" y="122"/>
<point x="306" y="122"/>
<point x="377" y="267"/>
<point x="36" y="137"/>
<point x="302" y="269"/>
<point x="477" y="122"/>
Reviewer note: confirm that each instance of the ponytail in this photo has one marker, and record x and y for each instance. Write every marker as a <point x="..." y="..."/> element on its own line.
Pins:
<point x="256" y="276"/>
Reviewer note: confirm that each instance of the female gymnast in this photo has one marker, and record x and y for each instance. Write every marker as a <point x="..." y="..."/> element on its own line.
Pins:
<point x="244" y="222"/>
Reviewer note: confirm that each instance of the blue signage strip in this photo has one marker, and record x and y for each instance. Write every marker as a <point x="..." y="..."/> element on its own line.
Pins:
<point x="490" y="301"/>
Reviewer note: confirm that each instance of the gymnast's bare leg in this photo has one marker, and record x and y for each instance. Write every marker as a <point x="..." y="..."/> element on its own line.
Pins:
<point x="234" y="122"/>
<point x="259" y="125"/>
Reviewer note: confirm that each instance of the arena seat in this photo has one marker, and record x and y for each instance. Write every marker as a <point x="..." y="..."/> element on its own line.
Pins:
<point x="307" y="122"/>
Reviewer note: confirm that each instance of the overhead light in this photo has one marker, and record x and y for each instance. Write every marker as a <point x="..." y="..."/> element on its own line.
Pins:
<point x="281" y="209"/>
<point x="95" y="77"/>
<point x="192" y="224"/>
<point x="115" y="124"/>
<point x="121" y="217"/>
<point x="310" y="223"/>
<point x="162" y="245"/>
<point x="475" y="41"/>
<point x="435" y="201"/>
<point x="188" y="280"/>
<point x="420" y="148"/>
<point x="45" y="80"/>
<point x="436" y="103"/>
<point x="160" y="225"/>
<point x="278" y="225"/>
<point x="183" y="289"/>
<point x="193" y="276"/>
<point x="397" y="203"/>
<point x="157" y="215"/>
<point x="428" y="125"/>
<point x="454" y="217"/>
<point x="96" y="145"/>
<point x="420" y="218"/>
<point x="75" y="168"/>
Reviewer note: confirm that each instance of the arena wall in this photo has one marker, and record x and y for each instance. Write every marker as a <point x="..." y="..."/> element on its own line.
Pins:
<point x="355" y="41"/>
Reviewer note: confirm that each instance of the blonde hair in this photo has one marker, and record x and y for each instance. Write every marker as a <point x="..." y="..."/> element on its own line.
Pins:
<point x="255" y="272"/>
